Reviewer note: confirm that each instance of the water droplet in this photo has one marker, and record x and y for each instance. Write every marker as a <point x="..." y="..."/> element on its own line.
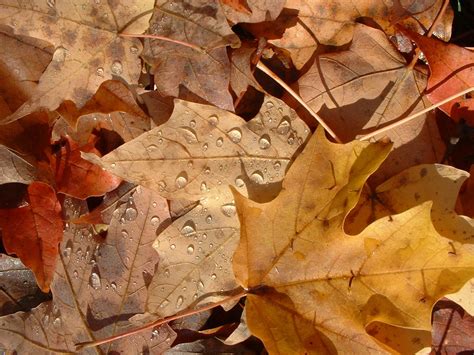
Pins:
<point x="189" y="229"/>
<point x="130" y="213"/>
<point x="51" y="3"/>
<point x="59" y="55"/>
<point x="75" y="274"/>
<point x="205" y="146"/>
<point x="95" y="280"/>
<point x="155" y="220"/>
<point x="213" y="276"/>
<point x="152" y="148"/>
<point x="291" y="139"/>
<point x="201" y="285"/>
<point x="113" y="285"/>
<point x="229" y="209"/>
<point x="209" y="219"/>
<point x="264" y="142"/>
<point x="161" y="185"/>
<point x="190" y="249"/>
<point x="57" y="322"/>
<point x="235" y="135"/>
<point x="189" y="134"/>
<point x="284" y="126"/>
<point x="203" y="187"/>
<point x="133" y="50"/>
<point x="116" y="67"/>
<point x="181" y="180"/>
<point x="213" y="120"/>
<point x="154" y="334"/>
<point x="167" y="273"/>
<point x="100" y="71"/>
<point x="154" y="204"/>
<point x="257" y="177"/>
<point x="173" y="246"/>
<point x="277" y="165"/>
<point x="179" y="301"/>
<point x="239" y="181"/>
<point x="112" y="165"/>
<point x="219" y="142"/>
<point x="46" y="319"/>
<point x="67" y="250"/>
<point x="207" y="171"/>
<point x="269" y="104"/>
<point x="192" y="123"/>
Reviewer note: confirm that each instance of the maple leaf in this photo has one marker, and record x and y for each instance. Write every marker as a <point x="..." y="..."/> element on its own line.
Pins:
<point x="369" y="86"/>
<point x="33" y="232"/>
<point x="77" y="177"/>
<point x="313" y="288"/>
<point x="98" y="285"/>
<point x="451" y="71"/>
<point x="88" y="50"/>
<point x="333" y="22"/>
<point x="13" y="168"/>
<point x="204" y="69"/>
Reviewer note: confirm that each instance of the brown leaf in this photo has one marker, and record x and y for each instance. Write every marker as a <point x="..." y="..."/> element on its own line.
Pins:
<point x="241" y="74"/>
<point x="77" y="177"/>
<point x="368" y="87"/>
<point x="13" y="168"/>
<point x="452" y="329"/>
<point x="333" y="22"/>
<point x="98" y="286"/>
<point x="88" y="50"/>
<point x="314" y="288"/>
<point x="33" y="232"/>
<point x="257" y="10"/>
<point x="451" y="71"/>
<point x="205" y="72"/>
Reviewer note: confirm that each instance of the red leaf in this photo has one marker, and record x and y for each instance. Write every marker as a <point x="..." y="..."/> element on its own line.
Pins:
<point x="238" y="5"/>
<point x="77" y="177"/>
<point x="33" y="232"/>
<point x="452" y="71"/>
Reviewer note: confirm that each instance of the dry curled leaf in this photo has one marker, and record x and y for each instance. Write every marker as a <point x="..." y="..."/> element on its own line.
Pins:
<point x="315" y="288"/>
<point x="33" y="232"/>
<point x="369" y="86"/>
<point x="88" y="49"/>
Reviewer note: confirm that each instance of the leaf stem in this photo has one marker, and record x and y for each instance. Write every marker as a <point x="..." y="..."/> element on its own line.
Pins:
<point x="298" y="98"/>
<point x="162" y="38"/>
<point x="179" y="315"/>
<point x="415" y="115"/>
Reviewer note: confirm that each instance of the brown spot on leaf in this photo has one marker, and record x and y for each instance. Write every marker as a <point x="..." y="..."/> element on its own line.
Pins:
<point x="423" y="172"/>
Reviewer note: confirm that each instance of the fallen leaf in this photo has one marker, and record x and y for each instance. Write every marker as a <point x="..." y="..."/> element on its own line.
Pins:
<point x="367" y="87"/>
<point x="77" y="177"/>
<point x="98" y="286"/>
<point x="451" y="71"/>
<point x="241" y="74"/>
<point x="88" y="49"/>
<point x="206" y="71"/>
<point x="33" y="232"/>
<point x="452" y="329"/>
<point x="313" y="288"/>
<point x="13" y="168"/>
<point x="333" y="22"/>
<point x="257" y="10"/>
<point x="465" y="297"/>
<point x="467" y="195"/>
<point x="18" y="288"/>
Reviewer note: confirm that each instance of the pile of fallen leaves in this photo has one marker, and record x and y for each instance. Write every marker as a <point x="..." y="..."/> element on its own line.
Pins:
<point x="164" y="186"/>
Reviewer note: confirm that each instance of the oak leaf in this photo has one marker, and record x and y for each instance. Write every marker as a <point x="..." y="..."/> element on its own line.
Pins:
<point x="451" y="71"/>
<point x="333" y="22"/>
<point x="203" y="70"/>
<point x="88" y="49"/>
<point x="98" y="285"/>
<point x="367" y="87"/>
<point x="314" y="288"/>
<point x="33" y="232"/>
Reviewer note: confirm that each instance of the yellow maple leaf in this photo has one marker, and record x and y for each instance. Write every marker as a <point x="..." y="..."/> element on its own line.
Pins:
<point x="315" y="289"/>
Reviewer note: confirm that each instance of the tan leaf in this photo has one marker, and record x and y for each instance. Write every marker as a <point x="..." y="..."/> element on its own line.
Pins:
<point x="88" y="50"/>
<point x="13" y="168"/>
<point x="98" y="286"/>
<point x="367" y="87"/>
<point x="315" y="288"/>
<point x="204" y="70"/>
<point x="259" y="10"/>
<point x="333" y="22"/>
<point x="241" y="74"/>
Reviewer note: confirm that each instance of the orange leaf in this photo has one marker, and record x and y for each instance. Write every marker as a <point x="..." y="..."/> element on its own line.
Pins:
<point x="452" y="70"/>
<point x="33" y="232"/>
<point x="77" y="177"/>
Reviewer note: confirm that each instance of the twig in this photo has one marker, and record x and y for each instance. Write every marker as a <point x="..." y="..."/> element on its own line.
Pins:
<point x="162" y="321"/>
<point x="297" y="97"/>
<point x="162" y="38"/>
<point x="415" y="115"/>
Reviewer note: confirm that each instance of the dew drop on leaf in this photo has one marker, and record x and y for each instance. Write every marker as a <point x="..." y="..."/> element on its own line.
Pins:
<point x="161" y="185"/>
<point x="133" y="50"/>
<point x="59" y="55"/>
<point x="264" y="142"/>
<point x="235" y="135"/>
<point x="229" y="209"/>
<point x="277" y="165"/>
<point x="130" y="213"/>
<point x="190" y="135"/>
<point x="100" y="71"/>
<point x="213" y="276"/>
<point x="116" y="67"/>
<point x="209" y="219"/>
<point x="203" y="187"/>
<point x="113" y="285"/>
<point x="51" y="3"/>
<point x="269" y="104"/>
<point x="95" y="280"/>
<point x="173" y="246"/>
<point x="190" y="249"/>
<point x="239" y="181"/>
<point x="181" y="180"/>
<point x="219" y="142"/>
<point x="257" y="177"/>
<point x="179" y="301"/>
<point x="189" y="229"/>
<point x="213" y="120"/>
<point x="155" y="220"/>
<point x="284" y="126"/>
